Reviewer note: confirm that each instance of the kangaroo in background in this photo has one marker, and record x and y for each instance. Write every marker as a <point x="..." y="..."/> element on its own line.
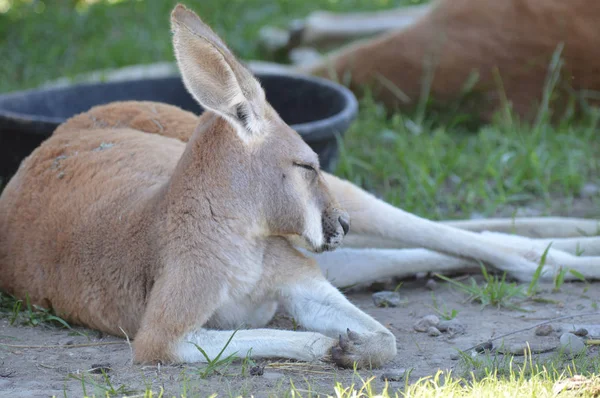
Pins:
<point x="118" y="224"/>
<point x="501" y="50"/>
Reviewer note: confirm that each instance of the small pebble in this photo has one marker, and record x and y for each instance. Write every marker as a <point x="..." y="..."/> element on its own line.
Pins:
<point x="393" y="375"/>
<point x="452" y="326"/>
<point x="431" y="284"/>
<point x="66" y="341"/>
<point x="571" y="344"/>
<point x="581" y="332"/>
<point x="6" y="374"/>
<point x="427" y="321"/>
<point x="433" y="331"/>
<point x="487" y="346"/>
<point x="257" y="370"/>
<point x="386" y="299"/>
<point x="100" y="368"/>
<point x="592" y="329"/>
<point x="544" y="330"/>
<point x="455" y="356"/>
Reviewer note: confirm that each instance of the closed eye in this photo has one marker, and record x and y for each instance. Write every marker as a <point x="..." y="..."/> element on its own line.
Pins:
<point x="305" y="166"/>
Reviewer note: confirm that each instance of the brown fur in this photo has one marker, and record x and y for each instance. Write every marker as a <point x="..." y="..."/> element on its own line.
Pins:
<point x="516" y="38"/>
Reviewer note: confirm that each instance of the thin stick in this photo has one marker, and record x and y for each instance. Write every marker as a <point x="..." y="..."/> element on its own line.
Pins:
<point x="305" y="371"/>
<point x="64" y="346"/>
<point x="560" y="318"/>
<point x="301" y="367"/>
<point x="131" y="348"/>
<point x="298" y="364"/>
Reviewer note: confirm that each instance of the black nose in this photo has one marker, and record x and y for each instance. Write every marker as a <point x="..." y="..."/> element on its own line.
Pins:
<point x="344" y="224"/>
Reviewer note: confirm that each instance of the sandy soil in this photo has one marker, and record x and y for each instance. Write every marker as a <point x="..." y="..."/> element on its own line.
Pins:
<point x="35" y="372"/>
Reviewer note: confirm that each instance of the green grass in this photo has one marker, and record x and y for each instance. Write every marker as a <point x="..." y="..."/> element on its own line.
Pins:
<point x="46" y="39"/>
<point x="447" y="172"/>
<point x="533" y="287"/>
<point x="488" y="374"/>
<point x="522" y="380"/>
<point x="217" y="364"/>
<point x="442" y="311"/>
<point x="435" y="164"/>
<point x="495" y="290"/>
<point x="103" y="387"/>
<point x="556" y="365"/>
<point x="22" y="312"/>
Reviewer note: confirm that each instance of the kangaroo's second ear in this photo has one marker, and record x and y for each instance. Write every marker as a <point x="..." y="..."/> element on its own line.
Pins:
<point x="213" y="75"/>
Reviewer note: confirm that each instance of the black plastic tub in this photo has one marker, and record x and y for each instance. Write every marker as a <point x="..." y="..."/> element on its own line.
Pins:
<point x="316" y="108"/>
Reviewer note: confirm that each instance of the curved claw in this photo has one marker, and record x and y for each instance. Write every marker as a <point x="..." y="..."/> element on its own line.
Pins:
<point x="344" y="342"/>
<point x="353" y="336"/>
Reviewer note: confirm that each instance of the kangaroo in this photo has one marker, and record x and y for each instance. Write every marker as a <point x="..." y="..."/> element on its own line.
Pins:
<point x="178" y="245"/>
<point x="501" y="50"/>
<point x="178" y="230"/>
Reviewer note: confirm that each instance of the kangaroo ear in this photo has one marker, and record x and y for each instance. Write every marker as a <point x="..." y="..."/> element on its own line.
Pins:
<point x="213" y="75"/>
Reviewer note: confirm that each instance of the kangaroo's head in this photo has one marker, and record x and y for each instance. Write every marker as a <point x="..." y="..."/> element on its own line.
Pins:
<point x="267" y="175"/>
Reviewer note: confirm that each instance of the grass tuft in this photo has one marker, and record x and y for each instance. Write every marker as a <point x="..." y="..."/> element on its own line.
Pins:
<point x="533" y="287"/>
<point x="442" y="312"/>
<point x="495" y="291"/>
<point x="24" y="313"/>
<point x="216" y="364"/>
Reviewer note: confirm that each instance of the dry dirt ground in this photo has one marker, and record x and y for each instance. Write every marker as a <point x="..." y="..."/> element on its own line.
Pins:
<point x="57" y="370"/>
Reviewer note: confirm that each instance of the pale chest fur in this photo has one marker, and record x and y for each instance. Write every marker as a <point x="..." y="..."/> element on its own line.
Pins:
<point x="250" y="299"/>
